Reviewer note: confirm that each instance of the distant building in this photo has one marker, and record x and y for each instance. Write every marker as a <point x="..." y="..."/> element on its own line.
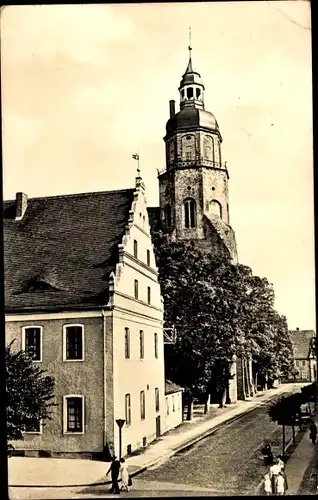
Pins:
<point x="304" y="355"/>
<point x="82" y="297"/>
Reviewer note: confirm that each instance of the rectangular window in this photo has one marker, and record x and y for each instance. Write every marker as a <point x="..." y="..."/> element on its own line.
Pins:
<point x="167" y="406"/>
<point x="148" y="257"/>
<point x="141" y="344"/>
<point x="296" y="362"/>
<point x="127" y="343"/>
<point x="136" y="289"/>
<point x="149" y="295"/>
<point x="304" y="362"/>
<point x="74" y="413"/>
<point x="127" y="409"/>
<point x="32" y="342"/>
<point x="142" y="405"/>
<point x="73" y="342"/>
<point x="135" y="249"/>
<point x="157" y="399"/>
<point x="156" y="344"/>
<point x="173" y="404"/>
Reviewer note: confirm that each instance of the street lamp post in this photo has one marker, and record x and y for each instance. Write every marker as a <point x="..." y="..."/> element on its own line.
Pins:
<point x="120" y="422"/>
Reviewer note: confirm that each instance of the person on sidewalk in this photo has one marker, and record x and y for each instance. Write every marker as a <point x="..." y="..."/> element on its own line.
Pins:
<point x="114" y="470"/>
<point x="124" y="475"/>
<point x="267" y="484"/>
<point x="280" y="484"/>
<point x="313" y="432"/>
<point x="274" y="471"/>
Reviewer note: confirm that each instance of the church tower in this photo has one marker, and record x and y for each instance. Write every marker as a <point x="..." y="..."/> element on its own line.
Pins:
<point x="193" y="187"/>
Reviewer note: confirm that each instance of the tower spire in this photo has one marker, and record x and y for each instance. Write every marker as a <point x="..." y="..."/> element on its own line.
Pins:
<point x="189" y="67"/>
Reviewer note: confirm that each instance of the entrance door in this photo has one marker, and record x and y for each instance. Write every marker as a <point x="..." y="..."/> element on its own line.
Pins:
<point x="158" y="430"/>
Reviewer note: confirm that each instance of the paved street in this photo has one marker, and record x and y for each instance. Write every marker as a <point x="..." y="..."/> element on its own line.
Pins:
<point x="227" y="462"/>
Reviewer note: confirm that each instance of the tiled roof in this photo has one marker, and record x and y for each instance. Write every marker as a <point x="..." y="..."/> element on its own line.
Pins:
<point x="171" y="387"/>
<point x="62" y="252"/>
<point x="301" y="340"/>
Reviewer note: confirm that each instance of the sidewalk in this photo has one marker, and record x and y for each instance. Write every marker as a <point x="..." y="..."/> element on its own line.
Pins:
<point x="50" y="472"/>
<point x="299" y="461"/>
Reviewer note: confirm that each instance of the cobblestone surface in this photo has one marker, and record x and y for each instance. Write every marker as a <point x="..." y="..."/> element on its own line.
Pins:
<point x="227" y="462"/>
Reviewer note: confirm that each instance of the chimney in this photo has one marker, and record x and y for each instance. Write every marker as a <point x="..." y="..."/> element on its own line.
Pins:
<point x="172" y="108"/>
<point x="21" y="203"/>
<point x="297" y="329"/>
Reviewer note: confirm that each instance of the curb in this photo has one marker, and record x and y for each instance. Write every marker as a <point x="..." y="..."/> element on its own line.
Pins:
<point x="142" y="469"/>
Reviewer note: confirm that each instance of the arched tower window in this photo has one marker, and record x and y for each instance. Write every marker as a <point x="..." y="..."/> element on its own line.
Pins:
<point x="216" y="208"/>
<point x="188" y="147"/>
<point x="208" y="147"/>
<point x="189" y="213"/>
<point x="189" y="92"/>
<point x="217" y="151"/>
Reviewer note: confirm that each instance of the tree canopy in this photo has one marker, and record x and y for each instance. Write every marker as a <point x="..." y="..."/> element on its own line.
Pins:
<point x="219" y="310"/>
<point x="29" y="394"/>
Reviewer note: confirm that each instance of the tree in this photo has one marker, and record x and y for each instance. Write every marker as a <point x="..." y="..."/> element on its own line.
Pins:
<point x="219" y="310"/>
<point x="29" y="393"/>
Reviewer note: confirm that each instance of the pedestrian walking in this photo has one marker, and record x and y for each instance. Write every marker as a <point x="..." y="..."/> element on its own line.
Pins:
<point x="274" y="471"/>
<point x="114" y="470"/>
<point x="267" y="484"/>
<point x="124" y="475"/>
<point x="313" y="432"/>
<point x="280" y="484"/>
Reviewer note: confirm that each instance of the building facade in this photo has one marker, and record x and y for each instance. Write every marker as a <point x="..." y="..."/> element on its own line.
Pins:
<point x="173" y="405"/>
<point x="305" y="361"/>
<point x="82" y="298"/>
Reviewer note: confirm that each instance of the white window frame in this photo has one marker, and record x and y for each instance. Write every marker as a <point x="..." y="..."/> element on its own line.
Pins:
<point x="128" y="408"/>
<point x="24" y="328"/>
<point x="65" y="398"/>
<point x="68" y="325"/>
<point x="35" y="432"/>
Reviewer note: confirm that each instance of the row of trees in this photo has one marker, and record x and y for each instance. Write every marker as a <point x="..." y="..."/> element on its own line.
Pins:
<point x="219" y="311"/>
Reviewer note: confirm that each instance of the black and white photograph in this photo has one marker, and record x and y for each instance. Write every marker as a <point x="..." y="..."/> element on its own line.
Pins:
<point x="158" y="250"/>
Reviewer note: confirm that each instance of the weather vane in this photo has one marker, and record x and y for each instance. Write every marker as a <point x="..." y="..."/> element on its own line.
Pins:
<point x="190" y="48"/>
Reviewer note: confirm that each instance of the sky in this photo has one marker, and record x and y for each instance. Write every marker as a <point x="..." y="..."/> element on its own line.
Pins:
<point x="85" y="86"/>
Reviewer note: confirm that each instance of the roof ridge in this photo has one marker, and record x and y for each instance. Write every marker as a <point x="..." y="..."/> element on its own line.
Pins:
<point x="76" y="195"/>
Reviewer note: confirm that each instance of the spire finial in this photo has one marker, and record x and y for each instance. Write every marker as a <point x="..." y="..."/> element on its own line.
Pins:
<point x="189" y="67"/>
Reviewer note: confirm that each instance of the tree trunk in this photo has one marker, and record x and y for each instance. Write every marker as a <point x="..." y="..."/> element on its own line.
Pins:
<point x="256" y="381"/>
<point x="190" y="409"/>
<point x="222" y="398"/>
<point x="207" y="404"/>
<point x="284" y="439"/>
<point x="228" y="400"/>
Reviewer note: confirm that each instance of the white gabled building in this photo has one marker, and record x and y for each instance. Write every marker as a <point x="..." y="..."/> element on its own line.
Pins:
<point x="82" y="295"/>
